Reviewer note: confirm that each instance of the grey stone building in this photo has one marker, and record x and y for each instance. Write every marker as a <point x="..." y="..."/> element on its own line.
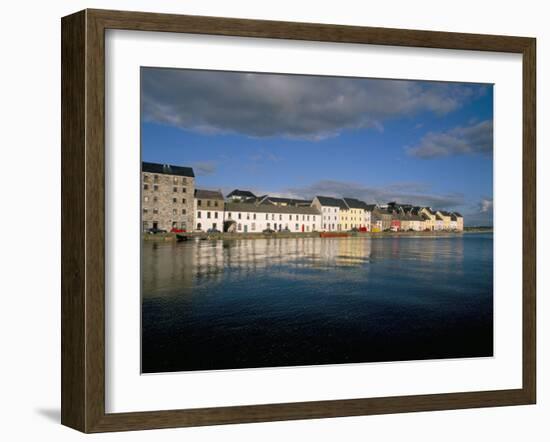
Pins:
<point x="167" y="197"/>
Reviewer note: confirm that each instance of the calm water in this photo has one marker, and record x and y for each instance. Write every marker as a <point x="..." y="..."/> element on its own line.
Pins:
<point x="280" y="302"/>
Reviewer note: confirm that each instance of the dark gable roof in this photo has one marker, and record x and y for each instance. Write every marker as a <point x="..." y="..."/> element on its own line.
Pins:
<point x="332" y="202"/>
<point x="379" y="211"/>
<point x="354" y="203"/>
<point x="370" y="207"/>
<point x="242" y="194"/>
<point x="167" y="169"/>
<point x="458" y="215"/>
<point x="271" y="208"/>
<point x="276" y="199"/>
<point x="208" y="194"/>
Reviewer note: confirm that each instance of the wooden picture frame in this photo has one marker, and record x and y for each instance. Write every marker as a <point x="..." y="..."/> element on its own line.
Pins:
<point x="83" y="220"/>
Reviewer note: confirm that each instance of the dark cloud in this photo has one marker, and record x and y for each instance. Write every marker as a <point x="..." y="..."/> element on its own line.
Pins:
<point x="477" y="138"/>
<point x="311" y="107"/>
<point x="414" y="193"/>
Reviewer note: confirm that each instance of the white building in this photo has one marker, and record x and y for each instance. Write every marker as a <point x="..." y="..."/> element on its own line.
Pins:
<point x="209" y="208"/>
<point x="330" y="212"/>
<point x="249" y="217"/>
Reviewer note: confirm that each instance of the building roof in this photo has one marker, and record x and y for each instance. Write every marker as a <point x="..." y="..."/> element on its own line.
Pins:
<point x="378" y="211"/>
<point x="208" y="194"/>
<point x="167" y="169"/>
<point x="267" y="208"/>
<point x="429" y="210"/>
<point x="458" y="215"/>
<point x="241" y="193"/>
<point x="291" y="201"/>
<point x="370" y="207"/>
<point x="332" y="202"/>
<point x="354" y="203"/>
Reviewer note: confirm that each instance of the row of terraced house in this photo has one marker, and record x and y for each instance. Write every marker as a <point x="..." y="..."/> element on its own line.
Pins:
<point x="171" y="201"/>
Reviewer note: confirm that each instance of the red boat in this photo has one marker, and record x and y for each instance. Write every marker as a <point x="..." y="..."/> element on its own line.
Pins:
<point x="333" y="234"/>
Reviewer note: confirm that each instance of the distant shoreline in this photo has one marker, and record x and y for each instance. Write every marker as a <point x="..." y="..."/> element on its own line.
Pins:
<point x="280" y="235"/>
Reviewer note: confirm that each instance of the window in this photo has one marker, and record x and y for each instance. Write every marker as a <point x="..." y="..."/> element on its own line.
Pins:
<point x="183" y="211"/>
<point x="174" y="224"/>
<point x="145" y="178"/>
<point x="199" y="203"/>
<point x="214" y="225"/>
<point x="198" y="214"/>
<point x="208" y="203"/>
<point x="175" y="189"/>
<point x="303" y="217"/>
<point x="248" y="216"/>
<point x="208" y="214"/>
<point x="308" y="217"/>
<point x="272" y="216"/>
<point x="280" y="217"/>
<point x="183" y="190"/>
<point x="155" y="187"/>
<point x="145" y="186"/>
<point x="155" y="211"/>
<point x="145" y="210"/>
<point x="199" y="226"/>
<point x="297" y="227"/>
<point x="324" y="226"/>
<point x="267" y="217"/>
<point x="313" y="227"/>
<point x="290" y="217"/>
<point x="216" y="215"/>
<point x="239" y="216"/>
<point x="174" y="200"/>
<point x="174" y="212"/>
<point x="239" y="226"/>
<point x="156" y="178"/>
<point x="146" y="199"/>
<point x="175" y="180"/>
<point x="228" y="215"/>
<point x="254" y="216"/>
<point x="183" y="180"/>
<point x="155" y="199"/>
<point x="253" y="227"/>
<point x="183" y="201"/>
<point x="215" y="204"/>
<point x="145" y="225"/>
<point x="268" y="225"/>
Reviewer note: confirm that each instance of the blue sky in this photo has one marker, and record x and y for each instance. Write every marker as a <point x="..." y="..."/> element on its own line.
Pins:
<point x="426" y="143"/>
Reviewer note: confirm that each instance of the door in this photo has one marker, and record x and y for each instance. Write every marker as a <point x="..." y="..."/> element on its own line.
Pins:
<point x="245" y="228"/>
<point x="303" y="227"/>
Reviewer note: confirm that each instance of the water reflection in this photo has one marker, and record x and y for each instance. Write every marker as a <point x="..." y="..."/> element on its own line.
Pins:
<point x="302" y="301"/>
<point x="182" y="265"/>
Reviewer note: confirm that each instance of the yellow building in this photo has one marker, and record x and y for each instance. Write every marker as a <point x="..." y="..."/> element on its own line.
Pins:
<point x="354" y="216"/>
<point x="446" y="217"/>
<point x="429" y="218"/>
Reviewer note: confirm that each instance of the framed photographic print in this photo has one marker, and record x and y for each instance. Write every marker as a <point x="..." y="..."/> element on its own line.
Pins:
<point x="269" y="220"/>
